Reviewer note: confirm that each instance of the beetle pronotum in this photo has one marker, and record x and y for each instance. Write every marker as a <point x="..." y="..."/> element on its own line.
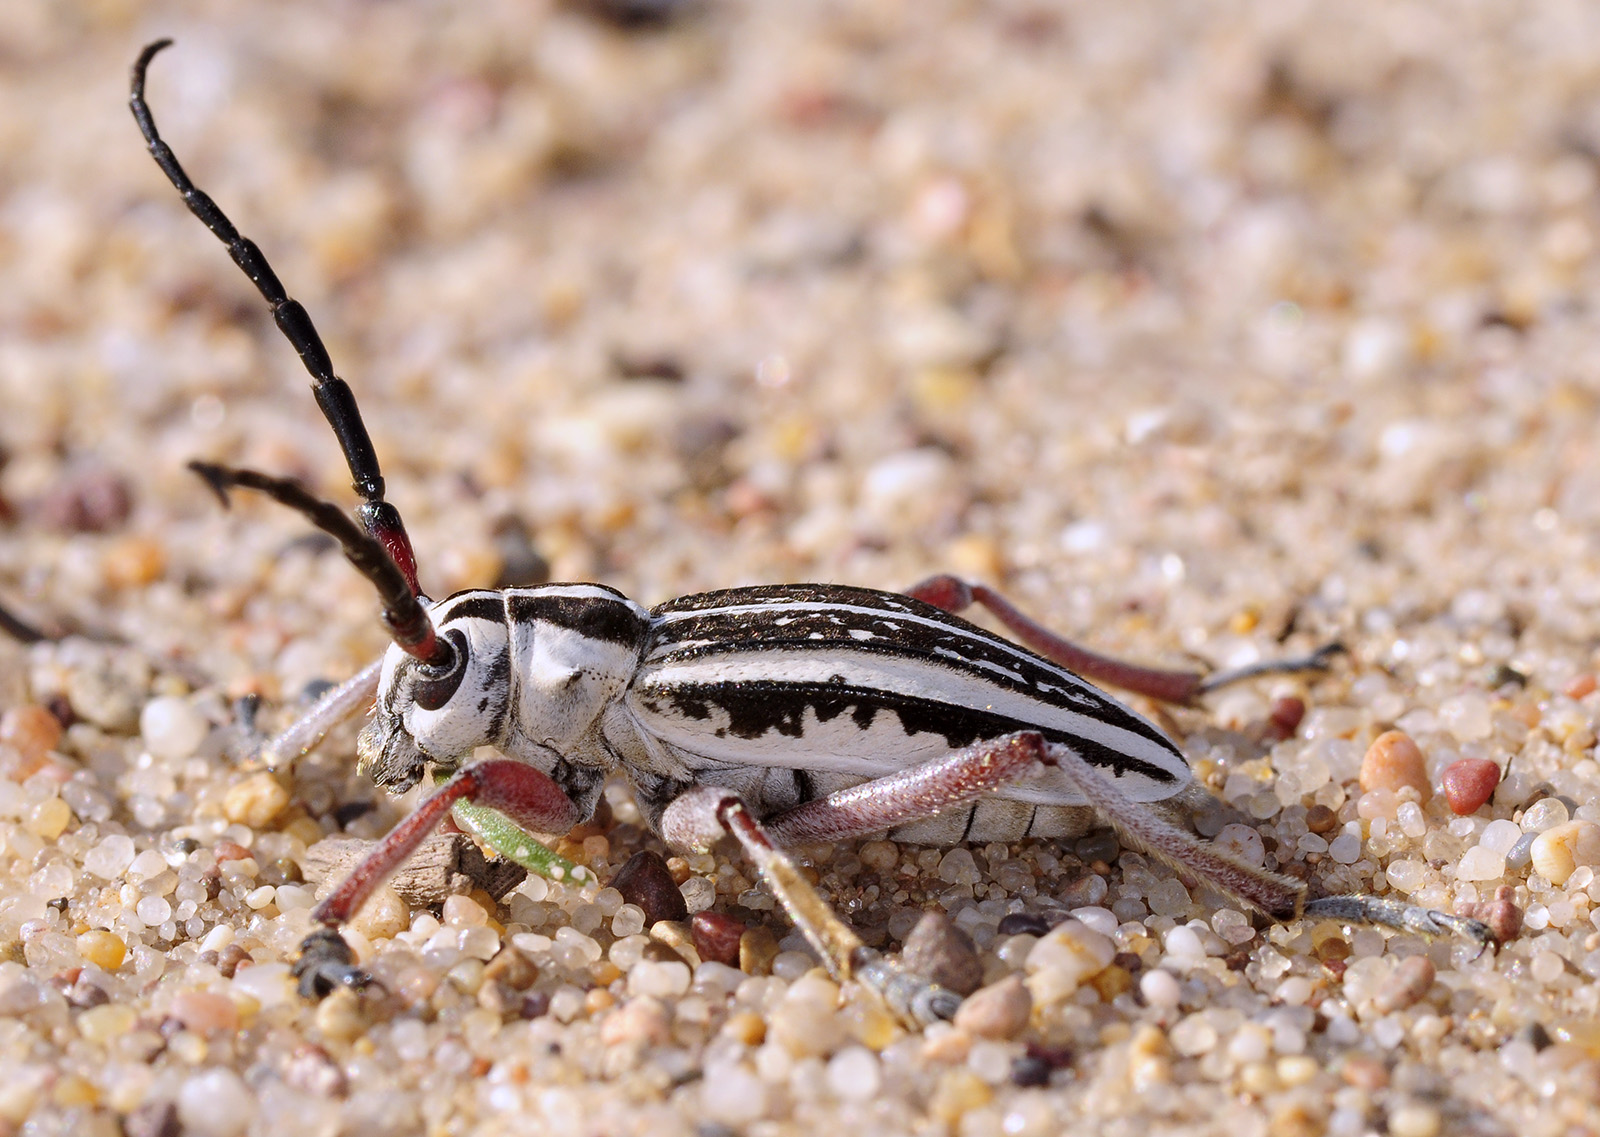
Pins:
<point x="779" y="715"/>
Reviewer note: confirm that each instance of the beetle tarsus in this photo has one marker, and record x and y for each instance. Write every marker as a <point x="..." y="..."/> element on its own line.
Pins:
<point x="325" y="964"/>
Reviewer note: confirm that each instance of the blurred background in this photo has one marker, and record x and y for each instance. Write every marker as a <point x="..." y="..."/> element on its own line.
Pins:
<point x="1190" y="326"/>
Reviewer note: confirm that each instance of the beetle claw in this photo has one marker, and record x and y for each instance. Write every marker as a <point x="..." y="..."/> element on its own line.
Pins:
<point x="326" y="963"/>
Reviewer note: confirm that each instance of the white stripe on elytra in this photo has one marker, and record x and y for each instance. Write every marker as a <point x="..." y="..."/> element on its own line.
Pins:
<point x="912" y="677"/>
<point x="976" y="636"/>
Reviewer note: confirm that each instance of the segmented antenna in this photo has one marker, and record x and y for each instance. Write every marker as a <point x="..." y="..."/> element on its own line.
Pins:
<point x="334" y="396"/>
<point x="404" y="614"/>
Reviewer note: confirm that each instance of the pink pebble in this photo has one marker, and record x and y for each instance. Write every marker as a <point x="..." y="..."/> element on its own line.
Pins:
<point x="205" y="1011"/>
<point x="1469" y="783"/>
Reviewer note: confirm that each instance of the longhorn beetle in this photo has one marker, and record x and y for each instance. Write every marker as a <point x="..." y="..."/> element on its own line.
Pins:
<point x="782" y="715"/>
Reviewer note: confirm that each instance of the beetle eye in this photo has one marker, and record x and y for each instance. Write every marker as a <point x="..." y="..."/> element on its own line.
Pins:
<point x="437" y="683"/>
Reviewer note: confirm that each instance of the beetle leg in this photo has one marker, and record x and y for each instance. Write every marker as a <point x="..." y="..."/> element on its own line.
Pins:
<point x="697" y="818"/>
<point x="900" y="798"/>
<point x="954" y="595"/>
<point x="522" y="793"/>
<point x="1280" y="897"/>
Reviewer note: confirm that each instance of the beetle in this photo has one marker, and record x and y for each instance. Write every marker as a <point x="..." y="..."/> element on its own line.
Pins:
<point x="780" y="715"/>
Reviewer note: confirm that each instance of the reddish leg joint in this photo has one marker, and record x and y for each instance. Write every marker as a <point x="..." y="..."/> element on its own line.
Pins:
<point x="519" y="791"/>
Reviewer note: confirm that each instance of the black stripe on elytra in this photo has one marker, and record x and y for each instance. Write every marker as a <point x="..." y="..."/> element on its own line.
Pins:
<point x="611" y="621"/>
<point x="1027" y="675"/>
<point x="756" y="708"/>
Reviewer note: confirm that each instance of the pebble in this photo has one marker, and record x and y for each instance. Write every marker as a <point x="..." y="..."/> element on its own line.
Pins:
<point x="938" y="950"/>
<point x="642" y="1021"/>
<point x="716" y="937"/>
<point x="646" y="881"/>
<point x="171" y="728"/>
<point x="255" y="801"/>
<point x="1414" y="1121"/>
<point x="1022" y="924"/>
<point x="1406" y="986"/>
<point x="105" y="950"/>
<point x="1393" y="762"/>
<point x="1061" y="961"/>
<point x="853" y="1074"/>
<point x="1560" y="850"/>
<point x="1469" y="783"/>
<point x="663" y="979"/>
<point x="204" y="1011"/>
<point x="1160" y="988"/>
<point x="32" y="729"/>
<point x="999" y="1011"/>
<point x="215" y="1103"/>
<point x="1320" y="819"/>
<point x="758" y="947"/>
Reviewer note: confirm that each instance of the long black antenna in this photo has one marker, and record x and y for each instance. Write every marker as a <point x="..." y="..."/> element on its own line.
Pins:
<point x="404" y="614"/>
<point x="334" y="396"/>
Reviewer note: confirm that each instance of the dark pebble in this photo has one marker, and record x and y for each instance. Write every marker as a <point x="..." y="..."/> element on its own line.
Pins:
<point x="230" y="958"/>
<point x="86" y="501"/>
<point x="1321" y="819"/>
<point x="938" y="950"/>
<point x="1098" y="846"/>
<point x="1028" y="1071"/>
<point x="281" y="871"/>
<point x="646" y="881"/>
<point x="1285" y="715"/>
<point x="1023" y="924"/>
<point x="153" y="1119"/>
<point x="716" y="937"/>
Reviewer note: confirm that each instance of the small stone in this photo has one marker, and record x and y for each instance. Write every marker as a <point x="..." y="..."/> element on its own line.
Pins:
<point x="255" y="801"/>
<point x="647" y="882"/>
<point x="1285" y="716"/>
<point x="999" y="1011"/>
<point x="674" y="936"/>
<point x="215" y="1103"/>
<point x="91" y="499"/>
<point x="103" y="1023"/>
<point x="758" y="947"/>
<point x="1320" y="819"/>
<point x="663" y="980"/>
<point x="1393" y="762"/>
<point x="512" y="967"/>
<point x="339" y="1017"/>
<point x="853" y="1074"/>
<point x="641" y="1021"/>
<point x="171" y="728"/>
<point x="204" y="1011"/>
<point x="1406" y="986"/>
<point x="311" y="1070"/>
<point x="1022" y="924"/>
<point x="1364" y="1073"/>
<point x="938" y="950"/>
<point x="1500" y="913"/>
<point x="32" y="729"/>
<point x="1160" y="988"/>
<point x="1480" y="864"/>
<point x="48" y="819"/>
<point x="153" y="1119"/>
<point x="1559" y="851"/>
<point x="1064" y="959"/>
<point x="716" y="937"/>
<point x="1414" y="1121"/>
<point x="1469" y="783"/>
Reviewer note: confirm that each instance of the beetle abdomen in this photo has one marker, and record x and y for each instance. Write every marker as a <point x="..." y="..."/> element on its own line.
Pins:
<point x="853" y="682"/>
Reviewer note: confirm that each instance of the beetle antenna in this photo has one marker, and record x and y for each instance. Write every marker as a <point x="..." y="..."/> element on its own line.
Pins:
<point x="338" y="402"/>
<point x="403" y="612"/>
